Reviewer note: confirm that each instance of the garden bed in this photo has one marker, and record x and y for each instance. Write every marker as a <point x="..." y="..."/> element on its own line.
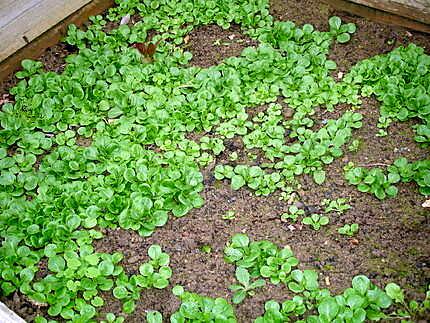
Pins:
<point x="391" y="245"/>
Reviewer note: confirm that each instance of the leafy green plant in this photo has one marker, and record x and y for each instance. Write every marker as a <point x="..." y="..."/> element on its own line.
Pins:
<point x="233" y="156"/>
<point x="373" y="181"/>
<point x="260" y="258"/>
<point x="229" y="215"/>
<point x="342" y="32"/>
<point x="339" y="205"/>
<point x="301" y="281"/>
<point x="112" y="318"/>
<point x="354" y="146"/>
<point x="316" y="221"/>
<point x="381" y="183"/>
<point x="293" y="213"/>
<point x="154" y="317"/>
<point x="411" y="311"/>
<point x="214" y="144"/>
<point x="274" y="312"/>
<point x="349" y="229"/>
<point x="206" y="249"/>
<point x="199" y="308"/>
<point x="246" y="287"/>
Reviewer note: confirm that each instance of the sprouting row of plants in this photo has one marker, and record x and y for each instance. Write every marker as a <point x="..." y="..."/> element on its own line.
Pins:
<point x="259" y="262"/>
<point x="139" y="167"/>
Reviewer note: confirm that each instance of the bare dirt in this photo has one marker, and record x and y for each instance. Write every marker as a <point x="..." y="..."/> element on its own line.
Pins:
<point x="211" y="44"/>
<point x="392" y="244"/>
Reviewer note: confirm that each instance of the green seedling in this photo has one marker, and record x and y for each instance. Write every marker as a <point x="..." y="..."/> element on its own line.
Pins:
<point x="112" y="318"/>
<point x="154" y="317"/>
<point x="246" y="287"/>
<point x="233" y="156"/>
<point x="339" y="205"/>
<point x="354" y="146"/>
<point x="200" y="308"/>
<point x="342" y="32"/>
<point x="292" y="215"/>
<point x="349" y="229"/>
<point x="229" y="215"/>
<point x="410" y="311"/>
<point x="316" y="221"/>
<point x="206" y="249"/>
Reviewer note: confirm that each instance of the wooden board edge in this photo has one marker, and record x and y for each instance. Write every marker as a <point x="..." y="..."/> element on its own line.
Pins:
<point x="378" y="15"/>
<point x="35" y="49"/>
<point x="399" y="8"/>
<point x="7" y="315"/>
<point x="32" y="23"/>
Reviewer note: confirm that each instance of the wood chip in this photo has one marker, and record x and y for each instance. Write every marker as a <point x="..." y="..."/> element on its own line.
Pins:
<point x="354" y="241"/>
<point x="186" y="39"/>
<point x="426" y="204"/>
<point x="327" y="281"/>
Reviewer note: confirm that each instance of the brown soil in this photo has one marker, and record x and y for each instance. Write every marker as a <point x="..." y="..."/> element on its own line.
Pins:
<point x="211" y="44"/>
<point x="84" y="142"/>
<point x="392" y="244"/>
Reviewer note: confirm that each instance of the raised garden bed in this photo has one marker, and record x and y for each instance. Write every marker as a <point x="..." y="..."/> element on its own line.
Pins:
<point x="245" y="146"/>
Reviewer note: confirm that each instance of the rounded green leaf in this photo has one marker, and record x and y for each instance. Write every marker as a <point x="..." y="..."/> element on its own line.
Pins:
<point x="328" y="308"/>
<point x="120" y="292"/>
<point x="237" y="182"/>
<point x="154" y="251"/>
<point x="106" y="268"/>
<point x="343" y="38"/>
<point x="56" y="264"/>
<point x="335" y="22"/>
<point x="240" y="240"/>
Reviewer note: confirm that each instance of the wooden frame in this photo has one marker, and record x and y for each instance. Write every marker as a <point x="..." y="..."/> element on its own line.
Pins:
<point x="379" y="13"/>
<point x="35" y="48"/>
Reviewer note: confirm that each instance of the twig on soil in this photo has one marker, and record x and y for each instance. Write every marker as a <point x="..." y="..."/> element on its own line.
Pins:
<point x="373" y="165"/>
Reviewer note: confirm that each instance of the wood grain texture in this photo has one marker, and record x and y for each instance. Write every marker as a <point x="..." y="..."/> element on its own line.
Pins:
<point x="418" y="10"/>
<point x="6" y="315"/>
<point x="51" y="37"/>
<point x="378" y="15"/>
<point x="23" y="21"/>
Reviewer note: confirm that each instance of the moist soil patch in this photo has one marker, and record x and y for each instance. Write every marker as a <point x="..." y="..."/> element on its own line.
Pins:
<point x="392" y="244"/>
<point x="212" y="44"/>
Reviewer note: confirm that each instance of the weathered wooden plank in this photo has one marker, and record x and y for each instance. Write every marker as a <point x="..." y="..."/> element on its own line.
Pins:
<point x="52" y="36"/>
<point x="34" y="21"/>
<point x="378" y="15"/>
<point x="418" y="10"/>
<point x="7" y="316"/>
<point x="11" y="9"/>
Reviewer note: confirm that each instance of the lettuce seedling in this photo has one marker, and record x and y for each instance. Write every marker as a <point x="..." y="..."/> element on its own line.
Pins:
<point x="200" y="308"/>
<point x="349" y="229"/>
<point x="316" y="221"/>
<point x="293" y="213"/>
<point x="339" y="205"/>
<point x="154" y="317"/>
<point x="246" y="287"/>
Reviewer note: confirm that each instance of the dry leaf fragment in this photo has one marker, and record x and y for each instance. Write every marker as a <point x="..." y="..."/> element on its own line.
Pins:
<point x="5" y="99"/>
<point x="327" y="281"/>
<point x="291" y="227"/>
<point x="186" y="39"/>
